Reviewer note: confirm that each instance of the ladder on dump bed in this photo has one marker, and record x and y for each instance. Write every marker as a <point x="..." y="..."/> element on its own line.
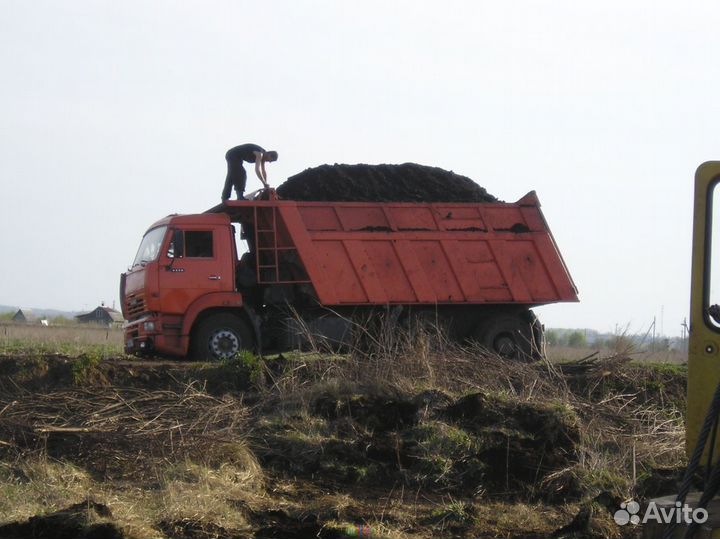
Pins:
<point x="276" y="259"/>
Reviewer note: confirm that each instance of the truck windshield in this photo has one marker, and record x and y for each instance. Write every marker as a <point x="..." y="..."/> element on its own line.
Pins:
<point x="150" y="246"/>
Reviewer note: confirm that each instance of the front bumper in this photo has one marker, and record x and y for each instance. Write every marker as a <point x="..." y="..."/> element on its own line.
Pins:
<point x="156" y="334"/>
<point x="140" y="335"/>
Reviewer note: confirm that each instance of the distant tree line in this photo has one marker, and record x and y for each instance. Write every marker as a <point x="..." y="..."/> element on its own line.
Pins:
<point x="573" y="339"/>
<point x="620" y="342"/>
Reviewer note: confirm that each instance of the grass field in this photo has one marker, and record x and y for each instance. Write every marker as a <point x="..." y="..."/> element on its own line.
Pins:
<point x="71" y="340"/>
<point x="567" y="353"/>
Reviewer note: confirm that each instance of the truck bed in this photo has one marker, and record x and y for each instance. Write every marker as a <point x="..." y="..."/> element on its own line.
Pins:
<point x="361" y="253"/>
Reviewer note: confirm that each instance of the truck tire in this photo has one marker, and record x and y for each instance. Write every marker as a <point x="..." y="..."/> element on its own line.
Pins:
<point x="508" y="336"/>
<point x="221" y="336"/>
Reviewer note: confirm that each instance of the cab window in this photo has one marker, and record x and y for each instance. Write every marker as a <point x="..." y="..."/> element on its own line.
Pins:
<point x="198" y="244"/>
<point x="712" y="275"/>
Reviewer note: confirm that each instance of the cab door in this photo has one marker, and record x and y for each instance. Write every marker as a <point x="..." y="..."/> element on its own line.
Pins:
<point x="704" y="341"/>
<point x="198" y="261"/>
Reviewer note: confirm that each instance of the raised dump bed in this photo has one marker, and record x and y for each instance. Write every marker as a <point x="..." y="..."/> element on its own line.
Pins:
<point x="363" y="253"/>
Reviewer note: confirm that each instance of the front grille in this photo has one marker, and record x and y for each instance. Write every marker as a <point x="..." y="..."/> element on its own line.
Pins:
<point x="135" y="306"/>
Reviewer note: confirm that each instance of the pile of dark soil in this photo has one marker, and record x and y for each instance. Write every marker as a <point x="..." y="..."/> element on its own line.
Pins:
<point x="520" y="442"/>
<point x="408" y="182"/>
<point x="476" y="443"/>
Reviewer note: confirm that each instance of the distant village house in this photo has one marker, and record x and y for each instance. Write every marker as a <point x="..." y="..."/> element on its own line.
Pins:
<point x="104" y="316"/>
<point x="25" y="316"/>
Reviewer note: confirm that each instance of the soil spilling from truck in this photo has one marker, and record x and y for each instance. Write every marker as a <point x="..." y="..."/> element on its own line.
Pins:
<point x="408" y="182"/>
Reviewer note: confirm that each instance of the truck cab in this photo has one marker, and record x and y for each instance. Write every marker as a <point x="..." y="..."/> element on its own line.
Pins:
<point x="185" y="264"/>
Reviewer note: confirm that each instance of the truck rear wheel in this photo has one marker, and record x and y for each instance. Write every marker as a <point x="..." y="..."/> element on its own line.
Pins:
<point x="221" y="336"/>
<point x="507" y="336"/>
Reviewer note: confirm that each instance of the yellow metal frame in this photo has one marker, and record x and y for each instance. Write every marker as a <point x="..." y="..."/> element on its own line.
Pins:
<point x="704" y="342"/>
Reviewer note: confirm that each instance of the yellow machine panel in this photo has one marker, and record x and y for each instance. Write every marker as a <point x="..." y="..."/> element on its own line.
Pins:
<point x="704" y="343"/>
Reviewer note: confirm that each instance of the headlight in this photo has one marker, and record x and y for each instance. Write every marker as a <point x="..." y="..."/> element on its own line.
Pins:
<point x="149" y="326"/>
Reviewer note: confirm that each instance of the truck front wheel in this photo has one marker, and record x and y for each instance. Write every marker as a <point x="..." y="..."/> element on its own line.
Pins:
<point x="220" y="336"/>
<point x="507" y="336"/>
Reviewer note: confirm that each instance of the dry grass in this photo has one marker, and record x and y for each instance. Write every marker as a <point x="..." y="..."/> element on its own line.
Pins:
<point x="188" y="490"/>
<point x="408" y="360"/>
<point x="562" y="354"/>
<point x="36" y="485"/>
<point x="151" y="456"/>
<point x="122" y="433"/>
<point x="72" y="340"/>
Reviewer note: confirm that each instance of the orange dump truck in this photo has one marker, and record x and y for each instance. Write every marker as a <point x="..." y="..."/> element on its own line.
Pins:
<point x="477" y="267"/>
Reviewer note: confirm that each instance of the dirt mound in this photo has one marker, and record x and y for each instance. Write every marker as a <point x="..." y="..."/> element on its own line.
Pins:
<point x="408" y="182"/>
<point x="465" y="446"/>
<point x="86" y="520"/>
<point x="520" y="442"/>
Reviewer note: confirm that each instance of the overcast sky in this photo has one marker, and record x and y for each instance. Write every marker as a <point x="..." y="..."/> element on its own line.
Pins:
<point x="114" y="114"/>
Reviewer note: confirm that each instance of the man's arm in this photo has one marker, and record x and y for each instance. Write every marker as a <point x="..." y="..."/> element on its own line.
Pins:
<point x="260" y="167"/>
<point x="260" y="159"/>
